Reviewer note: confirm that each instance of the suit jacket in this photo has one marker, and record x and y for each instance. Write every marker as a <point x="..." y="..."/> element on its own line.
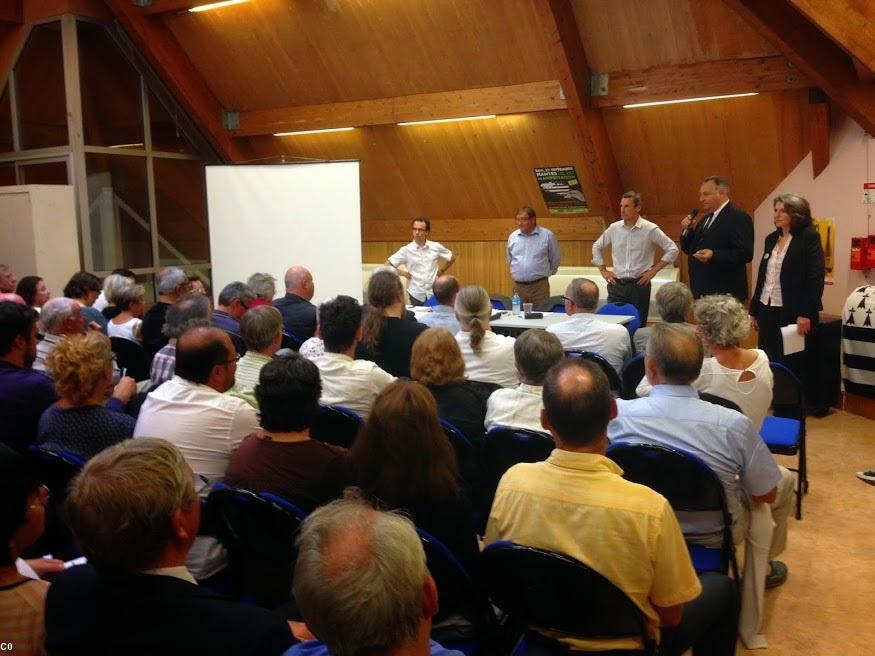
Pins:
<point x="801" y="276"/>
<point x="299" y="315"/>
<point x="731" y="238"/>
<point x="149" y="614"/>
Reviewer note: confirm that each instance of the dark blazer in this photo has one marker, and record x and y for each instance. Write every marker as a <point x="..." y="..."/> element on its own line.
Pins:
<point x="299" y="315"/>
<point x="731" y="239"/>
<point x="801" y="276"/>
<point x="153" y="321"/>
<point x="146" y="614"/>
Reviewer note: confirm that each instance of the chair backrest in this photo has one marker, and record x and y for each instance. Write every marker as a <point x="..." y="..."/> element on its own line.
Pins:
<point x="431" y="301"/>
<point x="788" y="393"/>
<point x="131" y="357"/>
<point x="623" y="309"/>
<point x="55" y="469"/>
<point x="291" y="341"/>
<point x="614" y="379"/>
<point x="500" y="301"/>
<point x="557" y="593"/>
<point x="336" y="425"/>
<point x="552" y="304"/>
<point x="632" y="374"/>
<point x="454" y="583"/>
<point x="719" y="400"/>
<point x="259" y="535"/>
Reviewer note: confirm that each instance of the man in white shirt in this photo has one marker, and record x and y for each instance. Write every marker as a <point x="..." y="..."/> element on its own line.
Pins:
<point x="424" y="260"/>
<point x="633" y="241"/>
<point x="354" y="384"/>
<point x="443" y="315"/>
<point x="535" y="351"/>
<point x="584" y="332"/>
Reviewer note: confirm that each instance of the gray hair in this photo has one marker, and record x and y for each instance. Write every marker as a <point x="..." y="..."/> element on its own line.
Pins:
<point x="190" y="311"/>
<point x="474" y="309"/>
<point x="674" y="300"/>
<point x="722" y="319"/>
<point x="260" y="325"/>
<point x="55" y="312"/>
<point x="169" y="278"/>
<point x="127" y="294"/>
<point x="234" y="290"/>
<point x="119" y="506"/>
<point x="535" y="351"/>
<point x="263" y="285"/>
<point x="719" y="181"/>
<point x="112" y="283"/>
<point x="584" y="293"/>
<point x="676" y="352"/>
<point x="359" y="577"/>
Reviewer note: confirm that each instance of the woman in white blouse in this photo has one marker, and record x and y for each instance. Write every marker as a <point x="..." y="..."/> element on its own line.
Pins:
<point x="488" y="357"/>
<point x="128" y="324"/>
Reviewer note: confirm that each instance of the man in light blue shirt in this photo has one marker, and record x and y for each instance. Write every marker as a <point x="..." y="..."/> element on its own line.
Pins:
<point x="533" y="256"/>
<point x="443" y="315"/>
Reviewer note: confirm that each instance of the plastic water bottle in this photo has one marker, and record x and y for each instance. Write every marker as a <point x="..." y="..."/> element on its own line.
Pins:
<point x="515" y="305"/>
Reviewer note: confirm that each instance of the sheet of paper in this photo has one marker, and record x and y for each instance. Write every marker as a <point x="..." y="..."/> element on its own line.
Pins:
<point x="793" y="341"/>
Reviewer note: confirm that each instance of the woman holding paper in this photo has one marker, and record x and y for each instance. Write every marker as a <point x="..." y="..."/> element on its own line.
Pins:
<point x="790" y="279"/>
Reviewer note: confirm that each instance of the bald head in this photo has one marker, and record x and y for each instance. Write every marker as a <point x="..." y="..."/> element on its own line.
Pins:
<point x="12" y="298"/>
<point x="299" y="281"/>
<point x="674" y="355"/>
<point x="445" y="289"/>
<point x="584" y="295"/>
<point x="577" y="403"/>
<point x="206" y="355"/>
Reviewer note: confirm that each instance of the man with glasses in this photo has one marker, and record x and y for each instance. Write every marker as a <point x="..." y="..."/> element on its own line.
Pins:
<point x="423" y="260"/>
<point x="533" y="256"/>
<point x="172" y="283"/>
<point x="234" y="300"/>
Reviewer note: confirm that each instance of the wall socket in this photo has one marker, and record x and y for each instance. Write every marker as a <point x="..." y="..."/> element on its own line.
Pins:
<point x="869" y="197"/>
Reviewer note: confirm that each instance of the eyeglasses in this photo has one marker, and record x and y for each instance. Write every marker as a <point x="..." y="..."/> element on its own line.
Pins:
<point x="565" y="298"/>
<point x="235" y="360"/>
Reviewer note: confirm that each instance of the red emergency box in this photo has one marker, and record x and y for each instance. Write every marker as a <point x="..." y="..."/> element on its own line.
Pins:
<point x="860" y="252"/>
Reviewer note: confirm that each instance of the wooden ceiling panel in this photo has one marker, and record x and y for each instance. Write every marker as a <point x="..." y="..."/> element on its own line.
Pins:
<point x="629" y="35"/>
<point x="276" y="53"/>
<point x="664" y="152"/>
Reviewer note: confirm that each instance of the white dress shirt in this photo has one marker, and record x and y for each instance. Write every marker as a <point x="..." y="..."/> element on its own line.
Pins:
<point x="632" y="248"/>
<point x="519" y="408"/>
<point x="583" y="332"/>
<point x="354" y="384"/>
<point x="771" y="294"/>
<point x="422" y="262"/>
<point x="493" y="362"/>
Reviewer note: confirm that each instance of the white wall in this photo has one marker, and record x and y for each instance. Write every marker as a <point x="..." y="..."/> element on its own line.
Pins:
<point x="835" y="194"/>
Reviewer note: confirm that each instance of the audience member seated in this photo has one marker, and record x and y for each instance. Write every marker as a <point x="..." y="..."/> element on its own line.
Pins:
<point x="443" y="315"/>
<point x="299" y="314"/>
<point x="34" y="292"/>
<point x="197" y="286"/>
<point x="674" y="300"/>
<point x="22" y="520"/>
<point x="84" y="288"/>
<point x="8" y="281"/>
<point x="348" y="552"/>
<point x="172" y="284"/>
<point x="190" y="311"/>
<point x="12" y="297"/>
<point x="759" y="494"/>
<point x="24" y="393"/>
<point x="263" y="285"/>
<point x="535" y="351"/>
<point x="437" y="363"/>
<point x="79" y="422"/>
<point x="556" y="504"/>
<point x="134" y="513"/>
<point x="262" y="330"/>
<point x="387" y="337"/>
<point x="128" y="323"/>
<point x="351" y="383"/>
<point x="103" y="302"/>
<point x="60" y="317"/>
<point x="584" y="332"/>
<point x="488" y="357"/>
<point x="281" y="458"/>
<point x="403" y="459"/>
<point x="737" y="374"/>
<point x="234" y="299"/>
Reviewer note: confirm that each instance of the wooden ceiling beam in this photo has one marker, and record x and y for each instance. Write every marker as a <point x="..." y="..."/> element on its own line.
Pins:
<point x="813" y="53"/>
<point x="513" y="99"/>
<point x="170" y="6"/>
<point x="600" y="177"/>
<point x="713" y="78"/>
<point x="37" y="10"/>
<point x="850" y="23"/>
<point x="10" y="46"/>
<point x="11" y="12"/>
<point x="170" y="62"/>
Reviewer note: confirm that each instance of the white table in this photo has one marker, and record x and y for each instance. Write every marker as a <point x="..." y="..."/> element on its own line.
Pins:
<point x="509" y="322"/>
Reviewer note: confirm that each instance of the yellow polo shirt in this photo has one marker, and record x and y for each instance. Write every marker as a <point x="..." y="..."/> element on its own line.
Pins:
<point x="578" y="504"/>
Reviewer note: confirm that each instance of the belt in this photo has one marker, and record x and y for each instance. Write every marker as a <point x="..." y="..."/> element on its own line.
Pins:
<point x="530" y="282"/>
<point x="626" y="280"/>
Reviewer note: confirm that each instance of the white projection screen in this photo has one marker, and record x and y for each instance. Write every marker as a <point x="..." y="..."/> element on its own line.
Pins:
<point x="266" y="218"/>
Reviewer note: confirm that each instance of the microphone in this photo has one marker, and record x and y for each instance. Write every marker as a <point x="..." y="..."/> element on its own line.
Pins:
<point x="692" y="215"/>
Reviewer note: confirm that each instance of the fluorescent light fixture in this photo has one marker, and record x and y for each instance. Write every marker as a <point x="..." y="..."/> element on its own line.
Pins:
<point x="134" y="145"/>
<point x="689" y="100"/>
<point x="449" y="120"/>
<point x="292" y="134"/>
<point x="216" y="5"/>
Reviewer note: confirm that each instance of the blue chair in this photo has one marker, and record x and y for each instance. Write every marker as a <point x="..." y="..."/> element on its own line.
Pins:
<point x="719" y="400"/>
<point x="614" y="379"/>
<point x="467" y="459"/>
<point x="623" y="309"/>
<point x="631" y="375"/>
<point x="336" y="425"/>
<point x="431" y="301"/>
<point x="539" y="588"/>
<point x="552" y="304"/>
<point x="784" y="432"/>
<point x="689" y="485"/>
<point x="285" y="504"/>
<point x="292" y="341"/>
<point x="500" y="301"/>
<point x="55" y="470"/>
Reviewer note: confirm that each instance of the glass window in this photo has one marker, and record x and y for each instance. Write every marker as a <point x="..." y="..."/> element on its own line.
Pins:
<point x="182" y="211"/>
<point x="110" y="87"/>
<point x="39" y="76"/>
<point x="118" y="207"/>
<point x="6" y="145"/>
<point x="166" y="135"/>
<point x="7" y="175"/>
<point x="47" y="173"/>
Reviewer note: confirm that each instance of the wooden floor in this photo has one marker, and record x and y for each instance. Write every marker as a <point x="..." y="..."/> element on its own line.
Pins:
<point x="825" y="608"/>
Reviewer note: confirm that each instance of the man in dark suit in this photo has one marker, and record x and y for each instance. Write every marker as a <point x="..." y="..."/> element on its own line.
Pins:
<point x="299" y="314"/>
<point x="135" y="513"/>
<point x="720" y="244"/>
